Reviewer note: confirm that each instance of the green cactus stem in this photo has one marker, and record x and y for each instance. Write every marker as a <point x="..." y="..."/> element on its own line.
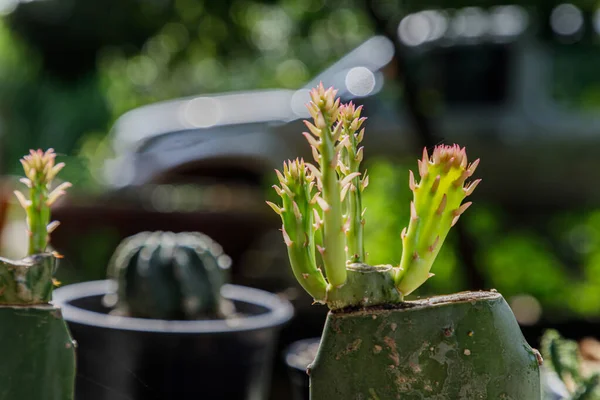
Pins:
<point x="321" y="210"/>
<point x="435" y="208"/>
<point x="173" y="276"/>
<point x="28" y="281"/>
<point x="40" y="170"/>
<point x="300" y="221"/>
<point x="462" y="346"/>
<point x="366" y="286"/>
<point x="35" y="343"/>
<point x="564" y="358"/>
<point x="352" y="155"/>
<point x="323" y="138"/>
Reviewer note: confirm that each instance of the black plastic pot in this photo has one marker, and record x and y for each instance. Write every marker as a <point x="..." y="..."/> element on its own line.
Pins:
<point x="298" y="356"/>
<point x="143" y="359"/>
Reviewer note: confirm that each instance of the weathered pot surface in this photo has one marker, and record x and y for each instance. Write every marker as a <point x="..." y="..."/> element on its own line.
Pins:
<point x="462" y="346"/>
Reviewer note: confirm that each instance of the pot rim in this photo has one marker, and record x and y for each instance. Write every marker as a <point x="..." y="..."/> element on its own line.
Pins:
<point x="280" y="311"/>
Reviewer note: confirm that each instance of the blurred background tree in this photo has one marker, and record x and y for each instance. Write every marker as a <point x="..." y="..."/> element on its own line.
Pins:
<point x="72" y="68"/>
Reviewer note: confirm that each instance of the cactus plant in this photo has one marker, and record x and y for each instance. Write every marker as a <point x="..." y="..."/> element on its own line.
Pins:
<point x="166" y="275"/>
<point x="563" y="357"/>
<point x="35" y="342"/>
<point x="321" y="209"/>
<point x="376" y="344"/>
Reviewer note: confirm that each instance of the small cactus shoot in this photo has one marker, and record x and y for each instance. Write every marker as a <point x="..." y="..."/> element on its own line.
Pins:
<point x="321" y="210"/>
<point x="435" y="208"/>
<point x="34" y="338"/>
<point x="40" y="170"/>
<point x="30" y="280"/>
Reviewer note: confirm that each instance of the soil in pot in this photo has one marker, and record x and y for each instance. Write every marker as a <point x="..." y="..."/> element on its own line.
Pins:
<point x="144" y="359"/>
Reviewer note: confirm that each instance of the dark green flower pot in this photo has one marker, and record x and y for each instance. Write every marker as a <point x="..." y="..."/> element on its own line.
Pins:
<point x="462" y="346"/>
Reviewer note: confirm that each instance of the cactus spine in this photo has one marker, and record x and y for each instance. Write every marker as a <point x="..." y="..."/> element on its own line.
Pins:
<point x="166" y="275"/>
<point x="322" y="210"/>
<point x="33" y="335"/>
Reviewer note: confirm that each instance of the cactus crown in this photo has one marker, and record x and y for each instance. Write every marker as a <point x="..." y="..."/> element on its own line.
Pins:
<point x="321" y="207"/>
<point x="166" y="275"/>
<point x="40" y="170"/>
<point x="564" y="358"/>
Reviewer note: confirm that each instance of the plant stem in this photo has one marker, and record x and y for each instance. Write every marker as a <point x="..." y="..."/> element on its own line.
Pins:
<point x="333" y="251"/>
<point x="299" y="226"/>
<point x="356" y="251"/>
<point x="38" y="217"/>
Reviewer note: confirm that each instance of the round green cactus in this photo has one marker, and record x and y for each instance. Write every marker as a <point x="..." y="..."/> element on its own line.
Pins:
<point x="174" y="276"/>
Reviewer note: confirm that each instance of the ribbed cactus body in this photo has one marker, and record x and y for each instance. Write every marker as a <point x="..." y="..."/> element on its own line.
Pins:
<point x="166" y="275"/>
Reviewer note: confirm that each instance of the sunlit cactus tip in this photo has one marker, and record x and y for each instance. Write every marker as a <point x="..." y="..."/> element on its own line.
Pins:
<point x="40" y="170"/>
<point x="323" y="216"/>
<point x="435" y="208"/>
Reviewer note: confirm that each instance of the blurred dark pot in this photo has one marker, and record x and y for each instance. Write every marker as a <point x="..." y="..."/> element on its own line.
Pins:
<point x="297" y="358"/>
<point x="133" y="358"/>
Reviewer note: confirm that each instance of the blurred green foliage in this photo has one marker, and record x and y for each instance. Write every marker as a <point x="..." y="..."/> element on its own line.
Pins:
<point x="38" y="110"/>
<point x="65" y="78"/>
<point x="235" y="45"/>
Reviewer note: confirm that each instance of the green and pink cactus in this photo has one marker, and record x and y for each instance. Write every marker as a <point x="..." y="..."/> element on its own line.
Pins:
<point x="40" y="170"/>
<point x="35" y="342"/>
<point x="323" y="216"/>
<point x="375" y="344"/>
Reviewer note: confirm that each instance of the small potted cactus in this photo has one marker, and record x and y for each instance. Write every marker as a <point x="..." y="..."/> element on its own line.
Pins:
<point x="171" y="276"/>
<point x="167" y="324"/>
<point x="376" y="344"/>
<point x="37" y="350"/>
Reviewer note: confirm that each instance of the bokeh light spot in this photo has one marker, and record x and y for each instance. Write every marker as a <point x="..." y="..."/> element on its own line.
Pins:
<point x="360" y="81"/>
<point x="566" y="19"/>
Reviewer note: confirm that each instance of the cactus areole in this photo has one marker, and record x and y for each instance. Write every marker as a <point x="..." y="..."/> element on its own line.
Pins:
<point x="35" y="342"/>
<point x="376" y="345"/>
